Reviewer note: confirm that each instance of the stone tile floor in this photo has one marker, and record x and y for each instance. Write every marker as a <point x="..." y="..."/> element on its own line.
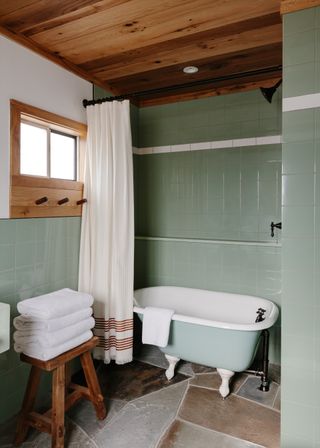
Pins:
<point x="147" y="411"/>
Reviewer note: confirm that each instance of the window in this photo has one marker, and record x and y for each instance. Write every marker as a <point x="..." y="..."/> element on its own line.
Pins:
<point x="46" y="160"/>
<point x="46" y="152"/>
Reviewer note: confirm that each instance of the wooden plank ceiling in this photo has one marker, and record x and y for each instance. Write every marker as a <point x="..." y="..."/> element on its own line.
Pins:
<point x="141" y="46"/>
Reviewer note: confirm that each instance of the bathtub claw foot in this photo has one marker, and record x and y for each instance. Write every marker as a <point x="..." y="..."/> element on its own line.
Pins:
<point x="225" y="376"/>
<point x="172" y="360"/>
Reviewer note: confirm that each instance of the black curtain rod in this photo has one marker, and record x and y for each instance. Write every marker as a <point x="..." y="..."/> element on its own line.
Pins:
<point x="262" y="71"/>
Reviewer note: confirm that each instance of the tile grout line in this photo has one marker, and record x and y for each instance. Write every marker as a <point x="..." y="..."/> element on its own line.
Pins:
<point x="157" y="391"/>
<point x="205" y="373"/>
<point x="244" y="382"/>
<point x="257" y="402"/>
<point x="219" y="432"/>
<point x="236" y="394"/>
<point x="175" y="415"/>
<point x="83" y="432"/>
<point x="276" y="396"/>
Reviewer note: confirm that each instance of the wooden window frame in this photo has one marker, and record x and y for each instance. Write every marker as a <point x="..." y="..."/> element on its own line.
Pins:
<point x="25" y="189"/>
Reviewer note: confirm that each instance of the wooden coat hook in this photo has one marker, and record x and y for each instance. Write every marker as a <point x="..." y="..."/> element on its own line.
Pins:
<point x="81" y="201"/>
<point x="63" y="201"/>
<point x="41" y="200"/>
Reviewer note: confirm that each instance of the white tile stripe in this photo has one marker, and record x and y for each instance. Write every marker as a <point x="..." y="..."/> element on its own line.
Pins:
<point x="201" y="146"/>
<point x="195" y="240"/>
<point x="301" y="102"/>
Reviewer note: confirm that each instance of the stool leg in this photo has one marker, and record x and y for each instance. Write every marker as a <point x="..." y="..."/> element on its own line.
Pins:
<point x="67" y="375"/>
<point x="93" y="385"/>
<point x="27" y="405"/>
<point x="58" y="399"/>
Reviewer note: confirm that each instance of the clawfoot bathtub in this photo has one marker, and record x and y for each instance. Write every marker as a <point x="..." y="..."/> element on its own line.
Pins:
<point x="215" y="329"/>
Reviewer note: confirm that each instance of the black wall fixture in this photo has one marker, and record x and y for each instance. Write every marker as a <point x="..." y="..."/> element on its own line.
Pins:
<point x="273" y="225"/>
<point x="268" y="92"/>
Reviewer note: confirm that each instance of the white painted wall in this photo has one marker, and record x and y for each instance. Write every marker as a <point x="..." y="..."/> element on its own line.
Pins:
<point x="29" y="78"/>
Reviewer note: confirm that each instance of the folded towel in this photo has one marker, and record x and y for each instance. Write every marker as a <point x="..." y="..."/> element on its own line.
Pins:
<point x="156" y="326"/>
<point x="44" y="354"/>
<point x="56" y="304"/>
<point x="54" y="338"/>
<point x="30" y="324"/>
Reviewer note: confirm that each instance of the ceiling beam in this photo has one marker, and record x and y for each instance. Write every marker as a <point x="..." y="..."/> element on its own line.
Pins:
<point x="241" y="86"/>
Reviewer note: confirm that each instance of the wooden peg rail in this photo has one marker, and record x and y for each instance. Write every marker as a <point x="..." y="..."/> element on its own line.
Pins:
<point x="44" y="199"/>
<point x="59" y="198"/>
<point x="41" y="200"/>
<point x="81" y="201"/>
<point x="63" y="201"/>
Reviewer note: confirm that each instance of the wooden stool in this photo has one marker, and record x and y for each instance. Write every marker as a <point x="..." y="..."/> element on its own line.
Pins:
<point x="52" y="421"/>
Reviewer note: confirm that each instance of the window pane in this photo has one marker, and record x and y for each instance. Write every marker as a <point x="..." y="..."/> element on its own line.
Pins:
<point x="62" y="156"/>
<point x="33" y="150"/>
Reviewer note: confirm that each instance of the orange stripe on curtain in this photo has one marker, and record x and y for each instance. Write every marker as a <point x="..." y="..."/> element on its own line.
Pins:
<point x="112" y="341"/>
<point x="112" y="324"/>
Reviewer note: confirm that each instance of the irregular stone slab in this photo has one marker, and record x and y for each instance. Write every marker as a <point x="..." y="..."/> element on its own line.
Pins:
<point x="213" y="381"/>
<point x="184" y="435"/>
<point x="83" y="414"/>
<point x="141" y="422"/>
<point x="130" y="381"/>
<point x="235" y="416"/>
<point x="198" y="368"/>
<point x="74" y="438"/>
<point x="7" y="434"/>
<point x="185" y="368"/>
<point x="152" y="355"/>
<point x="250" y="390"/>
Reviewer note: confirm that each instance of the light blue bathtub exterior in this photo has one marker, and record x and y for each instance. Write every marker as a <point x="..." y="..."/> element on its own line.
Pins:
<point x="207" y="342"/>
<point x="213" y="347"/>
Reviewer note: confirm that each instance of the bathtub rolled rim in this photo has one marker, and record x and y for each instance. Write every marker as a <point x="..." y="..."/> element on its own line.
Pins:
<point x="259" y="326"/>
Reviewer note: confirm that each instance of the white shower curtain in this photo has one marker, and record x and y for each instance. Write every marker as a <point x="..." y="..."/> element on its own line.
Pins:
<point x="107" y="233"/>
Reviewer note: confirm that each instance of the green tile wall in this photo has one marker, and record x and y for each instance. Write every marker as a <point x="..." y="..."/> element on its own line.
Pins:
<point x="301" y="53"/>
<point x="301" y="236"/>
<point x="223" y="117"/>
<point x="231" y="194"/>
<point x="36" y="256"/>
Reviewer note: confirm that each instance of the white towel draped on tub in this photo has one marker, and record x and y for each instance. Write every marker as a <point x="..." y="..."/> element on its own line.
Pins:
<point x="31" y="324"/>
<point x="53" y="338"/>
<point x="156" y="326"/>
<point x="55" y="304"/>
<point x="45" y="353"/>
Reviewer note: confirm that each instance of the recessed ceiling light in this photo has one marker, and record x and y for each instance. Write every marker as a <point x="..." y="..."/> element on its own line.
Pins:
<point x="191" y="69"/>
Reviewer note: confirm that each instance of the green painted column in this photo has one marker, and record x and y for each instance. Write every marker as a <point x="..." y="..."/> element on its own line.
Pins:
<point x="301" y="231"/>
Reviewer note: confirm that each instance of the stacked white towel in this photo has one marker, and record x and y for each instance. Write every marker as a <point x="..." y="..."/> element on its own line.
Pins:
<point x="53" y="323"/>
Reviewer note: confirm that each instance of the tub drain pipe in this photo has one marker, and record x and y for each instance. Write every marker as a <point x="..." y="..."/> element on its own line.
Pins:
<point x="264" y="372"/>
<point x="265" y="383"/>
